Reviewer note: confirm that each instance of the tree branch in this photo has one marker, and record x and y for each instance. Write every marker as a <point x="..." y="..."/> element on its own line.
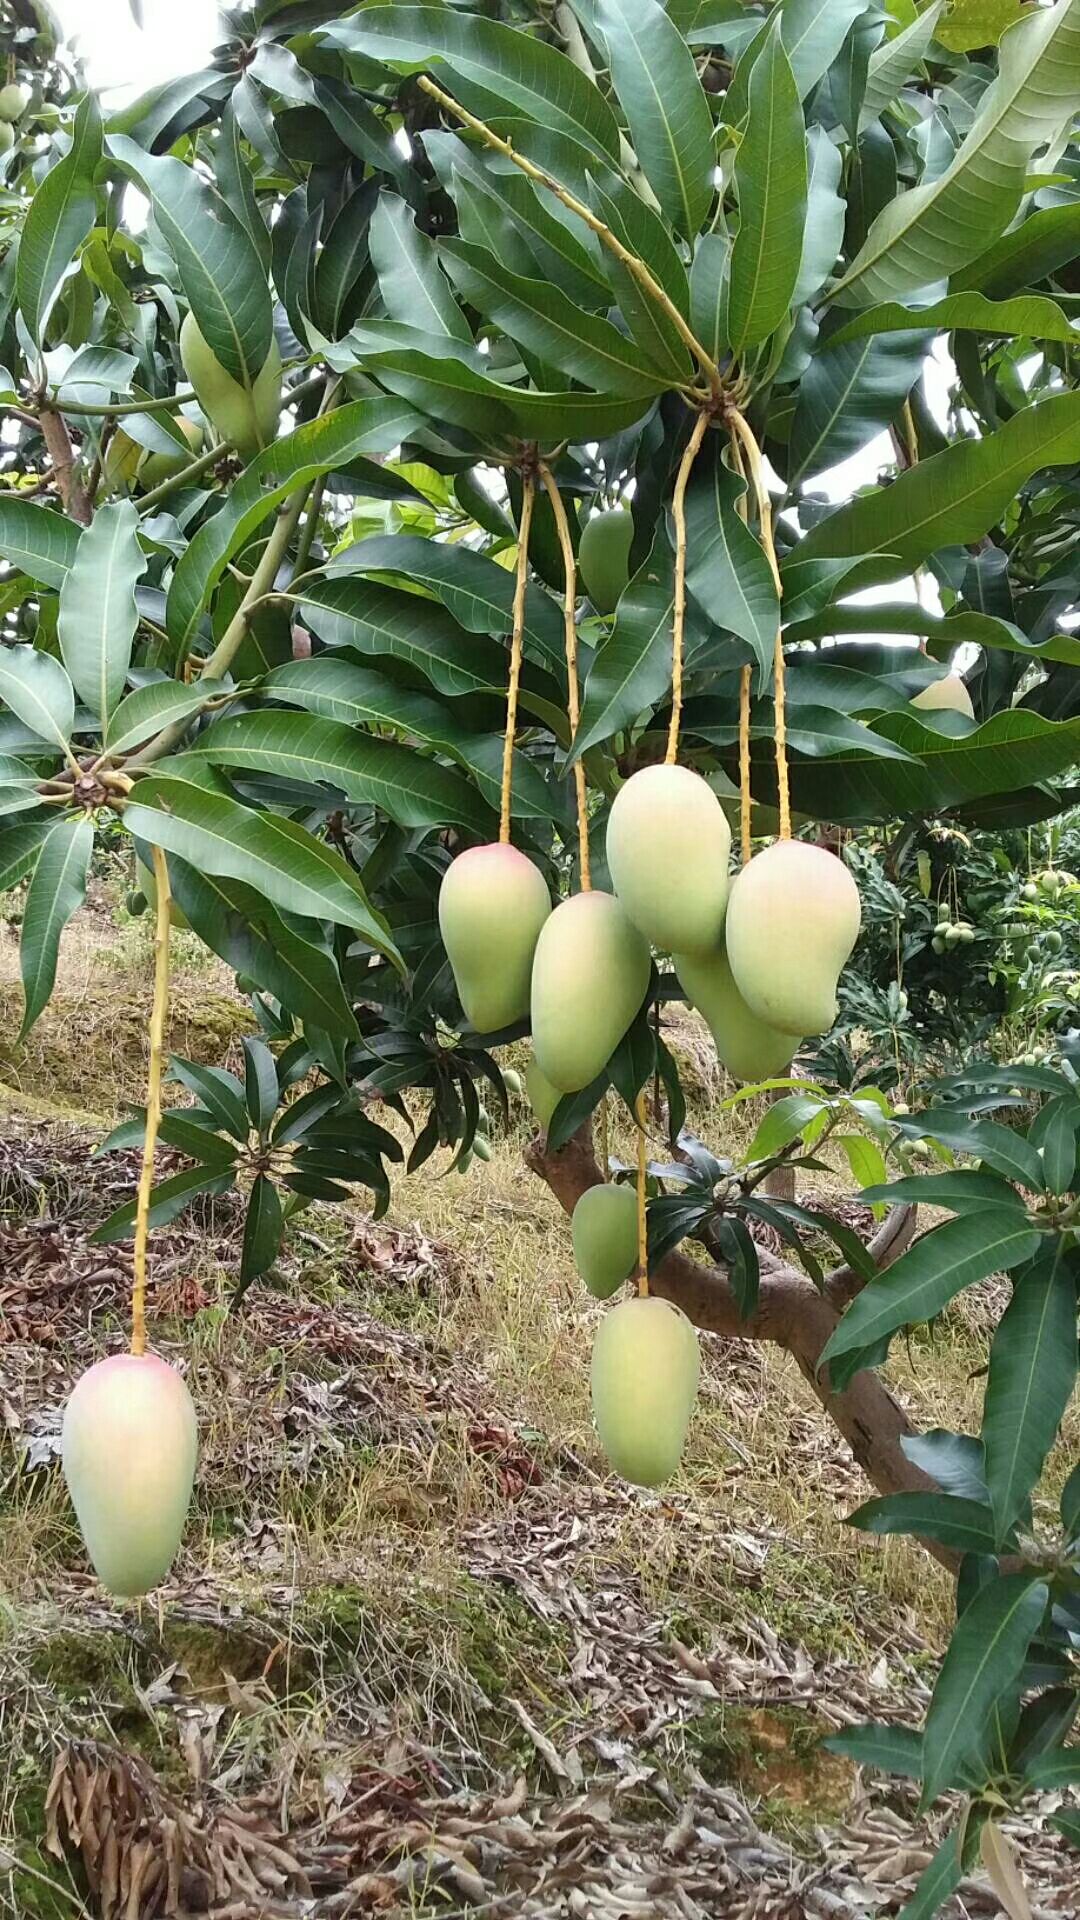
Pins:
<point x="73" y="494"/>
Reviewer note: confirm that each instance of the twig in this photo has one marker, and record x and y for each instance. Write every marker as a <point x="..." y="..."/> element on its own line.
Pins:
<point x="573" y="704"/>
<point x="93" y="410"/>
<point x="194" y="471"/>
<point x="75" y="499"/>
<point x="521" y="578"/>
<point x="741" y="427"/>
<point x="678" y="616"/>
<point x="158" y="1016"/>
<point x="641" y="1116"/>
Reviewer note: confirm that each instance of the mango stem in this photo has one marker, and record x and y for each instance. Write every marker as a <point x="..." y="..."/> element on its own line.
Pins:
<point x="573" y="702"/>
<point x="740" y="427"/>
<point x="158" y="1016"/>
<point x="521" y="579"/>
<point x="640" y="1115"/>
<point x="678" y="612"/>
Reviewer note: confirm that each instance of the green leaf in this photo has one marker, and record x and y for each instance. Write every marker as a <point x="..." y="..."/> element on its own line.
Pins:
<point x="1031" y="251"/>
<point x="1054" y="1134"/>
<point x="770" y="177"/>
<point x="19" y="846"/>
<point x="953" y="1460"/>
<point x="451" y="392"/>
<point x="937" y="1882"/>
<point x="217" y="260"/>
<point x="727" y="572"/>
<point x="631" y="669"/>
<point x="38" y="541"/>
<point x="37" y="689"/>
<point x="1070" y="1505"/>
<point x="740" y="1251"/>
<point x="289" y="958"/>
<point x="893" y="63"/>
<point x="546" y="322"/>
<point x="1029" y="1385"/>
<point x="59" y="216"/>
<point x="964" y="1524"/>
<point x="56" y="891"/>
<point x="1030" y="315"/>
<point x="847" y="395"/>
<point x="646" y="237"/>
<point x="924" y="235"/>
<point x="825" y="208"/>
<point x="407" y="787"/>
<point x="260" y="1083"/>
<point x="486" y="60"/>
<point x="961" y="1189"/>
<point x="654" y="75"/>
<point x="218" y="1090"/>
<point x="1053" y="1771"/>
<point x="928" y="1276"/>
<point x="410" y="279"/>
<point x="276" y="857"/>
<point x="149" y="709"/>
<point x="708" y="292"/>
<point x="1002" y="1148"/>
<point x="813" y="32"/>
<point x="264" y="1224"/>
<point x="956" y="496"/>
<point x="343" y="257"/>
<point x="98" y="615"/>
<point x="333" y="439"/>
<point x="377" y="620"/>
<point x="983" y="1662"/>
<point x="971" y="24"/>
<point x="363" y="132"/>
<point x="783" y="1123"/>
<point x="865" y="1158"/>
<point x="1067" y="1824"/>
<point x="167" y="1199"/>
<point x="887" y="1749"/>
<point x="475" y="590"/>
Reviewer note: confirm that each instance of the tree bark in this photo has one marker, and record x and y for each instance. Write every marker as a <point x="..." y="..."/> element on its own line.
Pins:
<point x="790" y="1314"/>
<point x="73" y="495"/>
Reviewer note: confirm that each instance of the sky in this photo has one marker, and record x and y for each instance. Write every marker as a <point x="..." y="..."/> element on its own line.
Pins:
<point x="176" y="37"/>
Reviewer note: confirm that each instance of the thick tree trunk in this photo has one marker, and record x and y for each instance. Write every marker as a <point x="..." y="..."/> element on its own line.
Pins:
<point x="790" y="1313"/>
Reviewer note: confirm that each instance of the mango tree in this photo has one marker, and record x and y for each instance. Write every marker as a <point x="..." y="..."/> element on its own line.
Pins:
<point x="321" y="369"/>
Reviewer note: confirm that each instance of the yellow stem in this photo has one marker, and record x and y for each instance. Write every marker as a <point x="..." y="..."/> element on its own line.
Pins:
<point x="520" y="582"/>
<point x="746" y="800"/>
<point x="605" y="1138"/>
<point x="640" y="1114"/>
<point x="604" y="234"/>
<point x="573" y="703"/>
<point x="678" y="616"/>
<point x="158" y="1018"/>
<point x="741" y="427"/>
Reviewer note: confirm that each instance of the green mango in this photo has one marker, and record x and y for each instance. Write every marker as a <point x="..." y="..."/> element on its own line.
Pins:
<point x="793" y="918"/>
<point x="156" y="467"/>
<point x="668" y="852"/>
<point x="604" y="1232"/>
<point x="129" y="1446"/>
<point x="121" y="463"/>
<point x="604" y="557"/>
<point x="14" y="100"/>
<point x="748" y="1047"/>
<point x="147" y="885"/>
<point x="543" y="1098"/>
<point x="492" y="904"/>
<point x="7" y="137"/>
<point x="590" y="975"/>
<point x="645" y="1370"/>
<point x="949" y="693"/>
<point x="246" y="418"/>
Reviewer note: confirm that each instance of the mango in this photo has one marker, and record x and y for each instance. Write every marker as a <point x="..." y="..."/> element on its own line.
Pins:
<point x="147" y="885"/>
<point x="7" y="137"/>
<point x="543" y="1098"/>
<point x="14" y="100"/>
<point x="748" y="1047"/>
<point x="129" y="1445"/>
<point x="156" y="467"/>
<point x="246" y="418"/>
<point x="492" y="905"/>
<point x="604" y="557"/>
<point x="949" y="692"/>
<point x="645" y="1369"/>
<point x="668" y="851"/>
<point x="604" y="1232"/>
<point x="121" y="462"/>
<point x="792" y="921"/>
<point x="590" y="975"/>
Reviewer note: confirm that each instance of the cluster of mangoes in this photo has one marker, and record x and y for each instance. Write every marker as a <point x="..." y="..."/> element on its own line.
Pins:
<point x="1048" y="885"/>
<point x="127" y="464"/>
<point x="245" y="417"/>
<point x="952" y="933"/>
<point x="759" y="956"/>
<point x="14" y="100"/>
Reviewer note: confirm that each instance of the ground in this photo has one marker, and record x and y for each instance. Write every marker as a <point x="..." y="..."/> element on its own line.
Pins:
<point x="421" y="1655"/>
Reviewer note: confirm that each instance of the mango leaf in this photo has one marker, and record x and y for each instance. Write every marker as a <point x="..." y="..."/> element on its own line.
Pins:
<point x="264" y="1224"/>
<point x="452" y="392"/>
<point x="1032" y="250"/>
<point x="546" y="322"/>
<point x="1030" y="315"/>
<point x="978" y="23"/>
<point x="967" y="1525"/>
<point x="983" y="1662"/>
<point x="149" y="709"/>
<point x="366" y="426"/>
<point x="36" y="540"/>
<point x="19" y="846"/>
<point x="740" y="1252"/>
<point x="631" y="668"/>
<point x="1070" y="1505"/>
<point x="936" y="1883"/>
<point x="847" y="395"/>
<point x="654" y="75"/>
<point x="1029" y="1385"/>
<point x="1002" y="1148"/>
<point x="217" y="260"/>
<point x="485" y="59"/>
<point x="813" y="32"/>
<point x="770" y="177"/>
<point x="1055" y="1770"/>
<point x="37" y="689"/>
<point x="927" y="1277"/>
<point x="376" y="620"/>
<point x="59" y="216"/>
<point x="825" y="208"/>
<point x="924" y="235"/>
<point x="893" y="63"/>
<point x="708" y="291"/>
<point x="727" y="572"/>
<point x="407" y="787"/>
<point x="954" y="1460"/>
<point x="475" y="590"/>
<point x="56" y="891"/>
<point x="98" y="615"/>
<point x="276" y="857"/>
<point x="167" y="1199"/>
<point x="646" y="237"/>
<point x="410" y="279"/>
<point x="956" y="496"/>
<point x="961" y="1189"/>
